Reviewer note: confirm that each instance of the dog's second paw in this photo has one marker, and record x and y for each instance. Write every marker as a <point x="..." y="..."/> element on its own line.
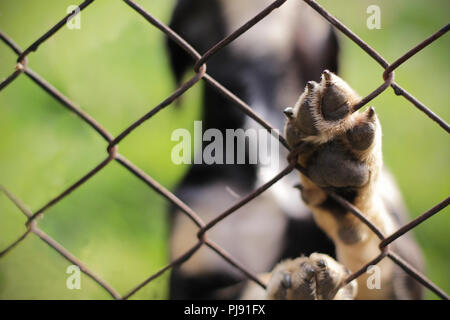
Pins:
<point x="317" y="277"/>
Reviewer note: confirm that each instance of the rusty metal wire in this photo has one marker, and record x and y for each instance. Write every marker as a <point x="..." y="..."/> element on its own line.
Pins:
<point x="200" y="69"/>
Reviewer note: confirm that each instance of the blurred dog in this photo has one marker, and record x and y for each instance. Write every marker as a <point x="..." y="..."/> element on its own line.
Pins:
<point x="268" y="67"/>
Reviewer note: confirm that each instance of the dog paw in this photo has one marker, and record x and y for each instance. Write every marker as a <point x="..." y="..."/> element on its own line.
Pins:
<point x="337" y="145"/>
<point x="317" y="277"/>
<point x="340" y="150"/>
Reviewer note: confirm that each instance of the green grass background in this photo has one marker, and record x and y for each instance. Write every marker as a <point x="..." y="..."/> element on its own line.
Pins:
<point x="116" y="69"/>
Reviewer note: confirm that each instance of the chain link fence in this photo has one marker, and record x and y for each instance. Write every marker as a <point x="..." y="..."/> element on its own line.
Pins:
<point x="200" y="69"/>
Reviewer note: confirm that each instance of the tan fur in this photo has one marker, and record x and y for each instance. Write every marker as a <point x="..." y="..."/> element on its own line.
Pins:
<point x="273" y="35"/>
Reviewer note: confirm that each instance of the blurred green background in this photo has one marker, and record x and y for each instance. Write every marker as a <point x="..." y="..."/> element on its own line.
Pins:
<point x="116" y="69"/>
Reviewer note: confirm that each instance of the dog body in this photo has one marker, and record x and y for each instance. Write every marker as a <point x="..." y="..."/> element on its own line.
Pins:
<point x="268" y="67"/>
